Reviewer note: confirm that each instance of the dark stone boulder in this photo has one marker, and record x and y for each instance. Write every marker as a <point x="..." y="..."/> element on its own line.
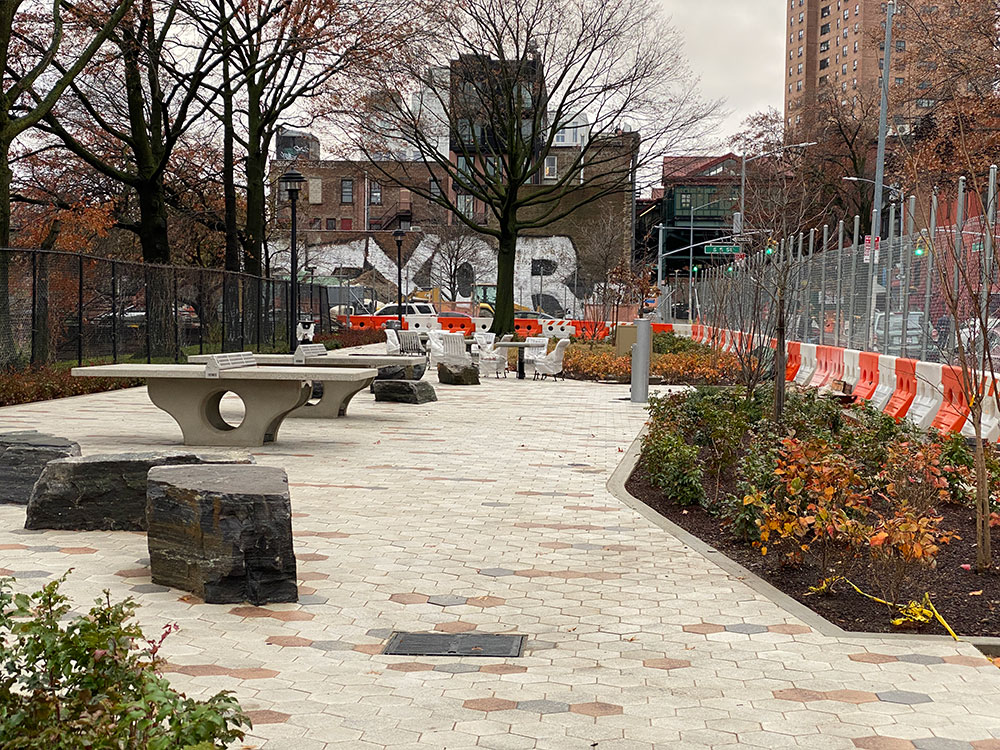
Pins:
<point x="399" y="372"/>
<point x="23" y="456"/>
<point x="223" y="533"/>
<point x="106" y="492"/>
<point x="457" y="375"/>
<point x="404" y="391"/>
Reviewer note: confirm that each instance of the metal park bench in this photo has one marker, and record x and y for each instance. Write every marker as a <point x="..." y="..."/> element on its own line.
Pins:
<point x="192" y="394"/>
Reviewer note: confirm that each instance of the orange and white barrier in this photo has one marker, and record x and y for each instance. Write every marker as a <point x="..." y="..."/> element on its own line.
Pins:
<point x="852" y="368"/>
<point x="954" y="407"/>
<point x="929" y="396"/>
<point x="906" y="389"/>
<point x="793" y="360"/>
<point x="886" y="381"/>
<point x="868" y="382"/>
<point x="809" y="364"/>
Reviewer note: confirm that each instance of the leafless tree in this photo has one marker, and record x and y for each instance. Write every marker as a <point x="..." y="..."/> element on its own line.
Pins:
<point x="506" y="83"/>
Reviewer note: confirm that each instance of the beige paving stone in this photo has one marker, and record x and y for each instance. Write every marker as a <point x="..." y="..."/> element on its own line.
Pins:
<point x="608" y="600"/>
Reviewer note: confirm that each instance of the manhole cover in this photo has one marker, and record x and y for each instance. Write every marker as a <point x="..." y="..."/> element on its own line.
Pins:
<point x="460" y="644"/>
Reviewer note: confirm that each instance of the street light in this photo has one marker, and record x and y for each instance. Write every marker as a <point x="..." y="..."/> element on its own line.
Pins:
<point x="291" y="182"/>
<point x="399" y="235"/>
<point x="743" y="174"/>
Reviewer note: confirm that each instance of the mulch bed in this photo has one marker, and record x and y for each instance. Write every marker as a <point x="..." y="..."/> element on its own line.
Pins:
<point x="952" y="589"/>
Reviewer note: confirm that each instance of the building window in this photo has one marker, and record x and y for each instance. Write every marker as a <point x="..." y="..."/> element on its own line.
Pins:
<point x="824" y="29"/>
<point x="462" y="163"/>
<point x="347" y="191"/>
<point x="824" y="12"/>
<point x="900" y="81"/>
<point x="435" y="188"/>
<point x="824" y="63"/>
<point x="801" y="34"/>
<point x="798" y="85"/>
<point x="843" y="69"/>
<point x="560" y="136"/>
<point x="823" y="46"/>
<point x="374" y="224"/>
<point x="551" y="168"/>
<point x="374" y="194"/>
<point x="315" y="188"/>
<point x="800" y="51"/>
<point x="466" y="205"/>
<point x="315" y="223"/>
<point x="347" y="224"/>
<point x="684" y="200"/>
<point x="925" y="103"/>
<point x="900" y="45"/>
<point x="331" y="224"/>
<point x="800" y="68"/>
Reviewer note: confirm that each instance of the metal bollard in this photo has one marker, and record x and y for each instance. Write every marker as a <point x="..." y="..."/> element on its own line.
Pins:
<point x="640" y="362"/>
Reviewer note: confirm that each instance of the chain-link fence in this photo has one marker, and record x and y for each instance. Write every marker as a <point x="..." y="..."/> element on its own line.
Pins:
<point x="64" y="307"/>
<point x="913" y="292"/>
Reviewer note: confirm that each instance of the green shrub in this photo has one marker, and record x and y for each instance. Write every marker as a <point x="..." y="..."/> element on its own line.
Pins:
<point x="668" y="343"/>
<point x="90" y="682"/>
<point x="673" y="465"/>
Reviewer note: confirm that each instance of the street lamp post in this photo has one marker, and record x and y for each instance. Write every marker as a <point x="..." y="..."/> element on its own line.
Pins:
<point x="399" y="235"/>
<point x="291" y="182"/>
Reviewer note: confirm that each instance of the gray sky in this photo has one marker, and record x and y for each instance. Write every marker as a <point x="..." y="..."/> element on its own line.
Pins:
<point x="737" y="49"/>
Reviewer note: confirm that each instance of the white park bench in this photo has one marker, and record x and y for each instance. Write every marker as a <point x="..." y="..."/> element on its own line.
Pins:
<point x="317" y="355"/>
<point x="192" y="393"/>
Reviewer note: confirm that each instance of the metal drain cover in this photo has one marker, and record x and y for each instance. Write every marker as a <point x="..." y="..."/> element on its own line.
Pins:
<point x="459" y="644"/>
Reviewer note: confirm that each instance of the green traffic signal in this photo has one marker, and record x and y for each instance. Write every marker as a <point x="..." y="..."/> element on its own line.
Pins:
<point x="769" y="251"/>
<point x="919" y="251"/>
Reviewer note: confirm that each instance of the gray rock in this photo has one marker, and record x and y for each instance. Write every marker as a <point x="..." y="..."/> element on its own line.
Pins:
<point x="456" y="375"/>
<point x="106" y="492"/>
<point x="398" y="372"/>
<point x="404" y="391"/>
<point x="23" y="456"/>
<point x="223" y="533"/>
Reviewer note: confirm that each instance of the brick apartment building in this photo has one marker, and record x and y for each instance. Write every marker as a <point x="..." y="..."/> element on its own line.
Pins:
<point x="834" y="48"/>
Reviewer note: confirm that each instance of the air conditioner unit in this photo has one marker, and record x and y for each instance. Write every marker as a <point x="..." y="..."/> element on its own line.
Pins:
<point x="904" y="129"/>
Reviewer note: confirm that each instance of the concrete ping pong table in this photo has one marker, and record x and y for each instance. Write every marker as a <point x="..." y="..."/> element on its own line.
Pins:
<point x="192" y="393"/>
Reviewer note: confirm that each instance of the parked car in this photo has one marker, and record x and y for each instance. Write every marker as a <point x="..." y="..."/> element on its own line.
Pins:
<point x="450" y="314"/>
<point x="534" y="315"/>
<point x="915" y="324"/>
<point x="409" y="308"/>
<point x="135" y="317"/>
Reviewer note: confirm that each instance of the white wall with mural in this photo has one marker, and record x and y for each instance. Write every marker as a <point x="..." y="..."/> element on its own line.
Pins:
<point x="545" y="267"/>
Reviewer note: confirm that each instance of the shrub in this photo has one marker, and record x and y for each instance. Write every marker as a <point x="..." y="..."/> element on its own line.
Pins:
<point x="668" y="343"/>
<point x="900" y="543"/>
<point x="672" y="465"/>
<point x="43" y="382"/>
<point x="591" y="361"/>
<point x="348" y="337"/>
<point x="91" y="682"/>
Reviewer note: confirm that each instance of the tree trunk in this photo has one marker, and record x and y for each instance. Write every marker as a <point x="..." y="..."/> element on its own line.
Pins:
<point x="153" y="221"/>
<point x="256" y="177"/>
<point x="503" y="310"/>
<point x="984" y="551"/>
<point x="8" y="354"/>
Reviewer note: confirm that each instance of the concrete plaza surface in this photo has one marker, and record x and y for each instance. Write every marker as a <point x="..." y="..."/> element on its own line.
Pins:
<point x="489" y="512"/>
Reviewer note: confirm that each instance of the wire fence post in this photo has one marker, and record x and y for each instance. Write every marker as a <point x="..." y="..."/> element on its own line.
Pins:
<point x="79" y="312"/>
<point x="887" y="295"/>
<point x="114" y="311"/>
<point x="838" y="315"/>
<point x="822" y="285"/>
<point x="852" y="311"/>
<point x="929" y="276"/>
<point x="959" y="247"/>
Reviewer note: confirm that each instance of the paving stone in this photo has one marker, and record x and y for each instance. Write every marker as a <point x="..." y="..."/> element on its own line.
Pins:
<point x="456" y="668"/>
<point x="882" y="743"/>
<point x="596" y="708"/>
<point x="920" y="659"/>
<point x="905" y="697"/>
<point x="149" y="588"/>
<point x="496" y="572"/>
<point x="489" y="704"/>
<point x="543" y="707"/>
<point x="746" y="628"/>
<point x="333" y="645"/>
<point x="446" y="600"/>
<point x="374" y="632"/>
<point x="940" y="743"/>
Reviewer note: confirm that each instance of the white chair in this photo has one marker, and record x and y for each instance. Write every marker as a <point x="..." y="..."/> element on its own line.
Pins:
<point x="552" y="363"/>
<point x="484" y="340"/>
<point x="410" y="343"/>
<point x="536" y="349"/>
<point x="454" y="353"/>
<point x="435" y="343"/>
<point x="392" y="342"/>
<point x="490" y="359"/>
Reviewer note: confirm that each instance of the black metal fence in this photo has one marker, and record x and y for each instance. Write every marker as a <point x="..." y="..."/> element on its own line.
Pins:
<point x="66" y="307"/>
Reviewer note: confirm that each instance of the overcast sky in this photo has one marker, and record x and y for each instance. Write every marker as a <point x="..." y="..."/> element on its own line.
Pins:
<point x="737" y="49"/>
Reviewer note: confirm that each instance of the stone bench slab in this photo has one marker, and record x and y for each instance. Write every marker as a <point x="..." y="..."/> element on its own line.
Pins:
<point x="224" y="533"/>
<point x="106" y="492"/>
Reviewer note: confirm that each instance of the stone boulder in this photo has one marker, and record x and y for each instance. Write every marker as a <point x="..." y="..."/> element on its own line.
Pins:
<point x="398" y="372"/>
<point x="106" y="492"/>
<point x="223" y="533"/>
<point x="458" y="374"/>
<point x="404" y="391"/>
<point x="23" y="456"/>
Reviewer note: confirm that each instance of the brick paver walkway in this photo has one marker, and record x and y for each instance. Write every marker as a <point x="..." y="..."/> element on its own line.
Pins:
<point x="488" y="511"/>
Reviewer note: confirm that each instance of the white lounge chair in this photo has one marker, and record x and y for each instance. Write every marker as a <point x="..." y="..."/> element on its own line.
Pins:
<point x="435" y="342"/>
<point x="392" y="342"/>
<point x="552" y="363"/>
<point x="453" y="350"/>
<point x="491" y="360"/>
<point x="537" y="348"/>
<point x="410" y="343"/>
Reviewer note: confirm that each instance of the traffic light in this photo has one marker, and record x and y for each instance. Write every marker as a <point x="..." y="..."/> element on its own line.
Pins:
<point x="919" y="251"/>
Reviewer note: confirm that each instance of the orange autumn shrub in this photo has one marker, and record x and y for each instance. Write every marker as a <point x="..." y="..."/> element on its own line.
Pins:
<point x="599" y="362"/>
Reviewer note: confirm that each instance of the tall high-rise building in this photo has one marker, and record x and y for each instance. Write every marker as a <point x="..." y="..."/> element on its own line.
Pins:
<point x="835" y="49"/>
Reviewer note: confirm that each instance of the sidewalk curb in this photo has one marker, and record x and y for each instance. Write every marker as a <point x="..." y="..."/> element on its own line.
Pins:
<point x="616" y="486"/>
